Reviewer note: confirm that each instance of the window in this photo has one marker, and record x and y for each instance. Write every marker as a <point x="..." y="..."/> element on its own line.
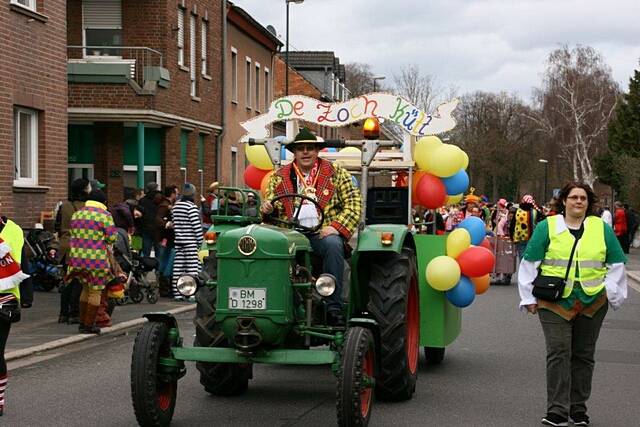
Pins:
<point x="181" y="37"/>
<point x="25" y="124"/>
<point x="267" y="94"/>
<point x="130" y="175"/>
<point x="29" y="4"/>
<point x="79" y="170"/>
<point x="192" y="53"/>
<point x="102" y="23"/>
<point x="247" y="78"/>
<point x="257" y="76"/>
<point x="234" y="166"/>
<point x="234" y="75"/>
<point x="204" y="35"/>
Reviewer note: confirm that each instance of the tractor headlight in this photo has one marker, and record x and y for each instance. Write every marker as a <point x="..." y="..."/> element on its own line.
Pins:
<point x="187" y="285"/>
<point x="326" y="285"/>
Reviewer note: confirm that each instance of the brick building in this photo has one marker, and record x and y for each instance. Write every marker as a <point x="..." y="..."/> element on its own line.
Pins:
<point x="154" y="102"/>
<point x="251" y="51"/>
<point x="33" y="101"/>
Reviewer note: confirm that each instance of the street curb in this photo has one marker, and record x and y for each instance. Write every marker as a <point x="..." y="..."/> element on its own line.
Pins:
<point x="62" y="342"/>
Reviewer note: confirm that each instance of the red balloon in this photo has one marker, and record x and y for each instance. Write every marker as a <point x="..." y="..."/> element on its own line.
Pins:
<point x="431" y="192"/>
<point x="253" y="176"/>
<point x="486" y="244"/>
<point x="476" y="261"/>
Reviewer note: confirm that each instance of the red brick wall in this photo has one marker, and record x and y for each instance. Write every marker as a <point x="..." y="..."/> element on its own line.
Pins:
<point x="33" y="75"/>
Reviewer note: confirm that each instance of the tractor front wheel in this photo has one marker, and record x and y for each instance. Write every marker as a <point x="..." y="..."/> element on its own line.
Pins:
<point x="153" y="394"/>
<point x="394" y="303"/>
<point x="355" y="384"/>
<point x="222" y="379"/>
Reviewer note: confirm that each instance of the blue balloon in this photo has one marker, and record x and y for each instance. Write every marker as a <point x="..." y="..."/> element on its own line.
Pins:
<point x="462" y="294"/>
<point x="476" y="228"/>
<point x="457" y="183"/>
<point x="354" y="181"/>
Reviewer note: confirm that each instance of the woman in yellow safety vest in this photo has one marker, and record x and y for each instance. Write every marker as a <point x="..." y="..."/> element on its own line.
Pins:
<point x="571" y="324"/>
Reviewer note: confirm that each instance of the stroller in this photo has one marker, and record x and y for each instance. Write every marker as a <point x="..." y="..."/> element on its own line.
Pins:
<point x="136" y="267"/>
<point x="45" y="267"/>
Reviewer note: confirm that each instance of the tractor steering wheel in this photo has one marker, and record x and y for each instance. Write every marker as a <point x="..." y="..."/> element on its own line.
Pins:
<point x="294" y="222"/>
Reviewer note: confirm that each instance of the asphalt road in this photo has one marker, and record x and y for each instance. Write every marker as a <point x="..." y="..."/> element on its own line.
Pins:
<point x="493" y="375"/>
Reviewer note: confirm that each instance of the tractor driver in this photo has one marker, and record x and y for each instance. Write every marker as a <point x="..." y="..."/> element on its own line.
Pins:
<point x="332" y="187"/>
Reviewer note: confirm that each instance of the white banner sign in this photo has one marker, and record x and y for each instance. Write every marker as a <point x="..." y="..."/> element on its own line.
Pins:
<point x="387" y="106"/>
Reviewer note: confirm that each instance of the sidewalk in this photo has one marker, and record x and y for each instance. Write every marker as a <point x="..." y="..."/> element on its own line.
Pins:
<point x="38" y="329"/>
<point x="633" y="268"/>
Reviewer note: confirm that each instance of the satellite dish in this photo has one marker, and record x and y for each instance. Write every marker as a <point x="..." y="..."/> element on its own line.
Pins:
<point x="272" y="30"/>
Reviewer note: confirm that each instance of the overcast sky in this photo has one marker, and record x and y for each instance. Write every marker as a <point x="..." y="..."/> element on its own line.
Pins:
<point x="489" y="45"/>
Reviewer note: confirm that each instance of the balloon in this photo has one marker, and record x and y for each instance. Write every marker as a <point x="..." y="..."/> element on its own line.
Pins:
<point x="430" y="192"/>
<point x="476" y="261"/>
<point x="476" y="228"/>
<point x="417" y="176"/>
<point x="465" y="160"/>
<point x="446" y="160"/>
<point x="265" y="183"/>
<point x="443" y="273"/>
<point x="462" y="294"/>
<point x="258" y="157"/>
<point x="481" y="283"/>
<point x="457" y="183"/>
<point x="253" y="176"/>
<point x="452" y="200"/>
<point x="352" y="150"/>
<point x="424" y="149"/>
<point x="354" y="181"/>
<point x="486" y="244"/>
<point x="457" y="242"/>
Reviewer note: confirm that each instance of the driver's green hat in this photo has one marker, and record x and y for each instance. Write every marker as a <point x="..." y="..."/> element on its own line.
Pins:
<point x="305" y="136"/>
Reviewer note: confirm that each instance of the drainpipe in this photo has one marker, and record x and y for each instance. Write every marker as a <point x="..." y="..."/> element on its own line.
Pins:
<point x="223" y="102"/>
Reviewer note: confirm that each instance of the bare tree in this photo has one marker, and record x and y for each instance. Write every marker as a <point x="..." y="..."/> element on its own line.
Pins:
<point x="359" y="78"/>
<point x="575" y="105"/>
<point x="421" y="89"/>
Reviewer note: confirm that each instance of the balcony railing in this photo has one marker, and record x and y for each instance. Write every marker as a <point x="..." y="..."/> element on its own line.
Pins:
<point x="141" y="60"/>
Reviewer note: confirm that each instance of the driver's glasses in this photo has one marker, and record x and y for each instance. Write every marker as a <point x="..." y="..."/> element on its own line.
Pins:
<point x="305" y="147"/>
<point x="576" y="198"/>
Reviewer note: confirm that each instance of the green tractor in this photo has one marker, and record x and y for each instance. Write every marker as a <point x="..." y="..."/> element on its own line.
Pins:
<point x="260" y="299"/>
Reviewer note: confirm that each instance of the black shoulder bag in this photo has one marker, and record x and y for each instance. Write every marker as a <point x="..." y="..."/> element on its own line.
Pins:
<point x="550" y="288"/>
<point x="10" y="311"/>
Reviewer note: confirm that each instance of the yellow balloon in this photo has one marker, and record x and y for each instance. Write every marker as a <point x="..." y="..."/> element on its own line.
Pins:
<point x="465" y="160"/>
<point x="446" y="160"/>
<point x="258" y="157"/>
<point x="443" y="273"/>
<point x="457" y="242"/>
<point x="353" y="150"/>
<point x="452" y="200"/>
<point x="423" y="151"/>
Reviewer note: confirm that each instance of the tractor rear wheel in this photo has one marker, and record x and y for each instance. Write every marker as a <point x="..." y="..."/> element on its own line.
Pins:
<point x="222" y="379"/>
<point x="154" y="396"/>
<point x="355" y="394"/>
<point x="394" y="303"/>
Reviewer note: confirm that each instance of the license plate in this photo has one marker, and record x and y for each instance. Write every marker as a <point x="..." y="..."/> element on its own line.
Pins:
<point x="247" y="299"/>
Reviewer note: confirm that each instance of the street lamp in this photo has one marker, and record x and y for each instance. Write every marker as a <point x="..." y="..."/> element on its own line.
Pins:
<point x="546" y="163"/>
<point x="374" y="81"/>
<point x="286" y="54"/>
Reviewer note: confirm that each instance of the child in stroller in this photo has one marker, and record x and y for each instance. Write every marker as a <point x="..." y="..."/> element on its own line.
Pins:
<point x="46" y="268"/>
<point x="136" y="267"/>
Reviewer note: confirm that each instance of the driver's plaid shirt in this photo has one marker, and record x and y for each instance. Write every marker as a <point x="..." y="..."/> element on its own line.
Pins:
<point x="337" y="195"/>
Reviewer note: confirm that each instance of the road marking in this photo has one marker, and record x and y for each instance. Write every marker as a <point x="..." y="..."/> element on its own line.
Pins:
<point x="633" y="284"/>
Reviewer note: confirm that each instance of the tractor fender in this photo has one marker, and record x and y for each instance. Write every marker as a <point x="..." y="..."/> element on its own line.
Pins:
<point x="166" y="318"/>
<point x="369" y="239"/>
<point x="372" y="325"/>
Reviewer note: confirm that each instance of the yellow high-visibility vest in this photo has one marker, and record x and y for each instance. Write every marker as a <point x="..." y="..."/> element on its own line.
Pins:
<point x="588" y="266"/>
<point x="13" y="235"/>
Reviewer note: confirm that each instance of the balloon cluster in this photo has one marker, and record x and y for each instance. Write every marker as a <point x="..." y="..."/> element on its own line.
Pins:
<point x="465" y="271"/>
<point x="260" y="168"/>
<point x="440" y="176"/>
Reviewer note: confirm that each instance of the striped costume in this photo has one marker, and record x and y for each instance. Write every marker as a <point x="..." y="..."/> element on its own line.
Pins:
<point x="188" y="239"/>
<point x="92" y="230"/>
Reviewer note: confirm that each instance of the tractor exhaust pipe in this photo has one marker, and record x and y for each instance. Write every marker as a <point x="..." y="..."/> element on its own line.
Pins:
<point x="247" y="337"/>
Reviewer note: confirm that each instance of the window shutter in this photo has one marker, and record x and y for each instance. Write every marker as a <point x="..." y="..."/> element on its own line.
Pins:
<point x="192" y="46"/>
<point x="102" y="13"/>
<point x="180" y="27"/>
